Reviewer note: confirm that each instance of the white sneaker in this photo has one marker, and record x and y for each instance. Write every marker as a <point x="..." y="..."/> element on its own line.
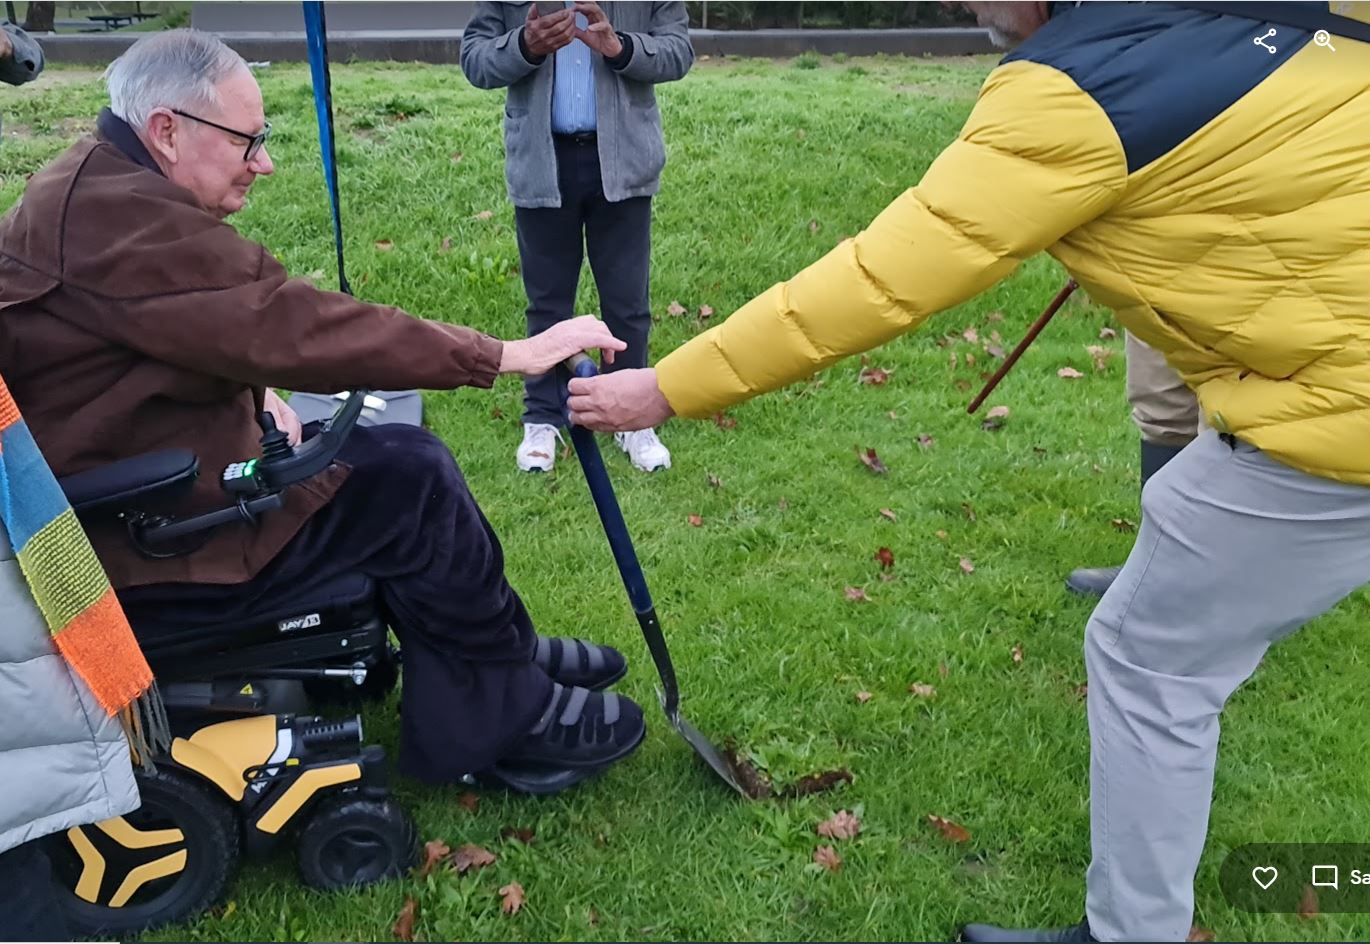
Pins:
<point x="646" y="451"/>
<point x="538" y="451"/>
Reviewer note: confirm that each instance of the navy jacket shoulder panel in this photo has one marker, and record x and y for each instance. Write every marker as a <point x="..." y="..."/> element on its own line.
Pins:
<point x="1160" y="71"/>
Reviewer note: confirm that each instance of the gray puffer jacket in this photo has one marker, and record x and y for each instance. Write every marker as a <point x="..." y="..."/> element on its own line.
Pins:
<point x="63" y="761"/>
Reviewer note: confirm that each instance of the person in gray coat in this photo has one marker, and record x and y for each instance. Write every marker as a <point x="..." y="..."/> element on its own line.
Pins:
<point x="583" y="157"/>
<point x="65" y="760"/>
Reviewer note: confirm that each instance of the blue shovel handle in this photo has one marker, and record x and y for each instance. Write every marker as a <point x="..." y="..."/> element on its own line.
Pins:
<point x="621" y="543"/>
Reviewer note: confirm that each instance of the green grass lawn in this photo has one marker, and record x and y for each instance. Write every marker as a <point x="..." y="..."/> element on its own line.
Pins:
<point x="771" y="164"/>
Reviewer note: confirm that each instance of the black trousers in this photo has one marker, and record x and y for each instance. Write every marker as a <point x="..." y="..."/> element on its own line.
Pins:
<point x="406" y="518"/>
<point x="553" y="241"/>
<point x="28" y="897"/>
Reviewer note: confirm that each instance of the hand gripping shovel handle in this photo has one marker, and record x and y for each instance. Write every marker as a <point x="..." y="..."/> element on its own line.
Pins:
<point x="621" y="543"/>
<point x="587" y="450"/>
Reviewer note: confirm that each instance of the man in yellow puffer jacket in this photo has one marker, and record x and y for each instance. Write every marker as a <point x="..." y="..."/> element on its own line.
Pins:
<point x="1204" y="170"/>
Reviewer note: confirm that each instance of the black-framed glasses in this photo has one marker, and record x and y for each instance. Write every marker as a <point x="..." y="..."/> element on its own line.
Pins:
<point x="254" y="141"/>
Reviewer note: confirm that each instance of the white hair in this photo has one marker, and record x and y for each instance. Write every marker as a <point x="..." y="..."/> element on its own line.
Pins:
<point x="178" y="68"/>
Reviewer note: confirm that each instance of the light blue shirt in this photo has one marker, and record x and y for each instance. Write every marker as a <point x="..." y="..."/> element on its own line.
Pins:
<point x="573" y="86"/>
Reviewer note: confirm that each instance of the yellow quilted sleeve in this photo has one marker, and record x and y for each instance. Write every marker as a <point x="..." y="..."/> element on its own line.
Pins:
<point x="1036" y="159"/>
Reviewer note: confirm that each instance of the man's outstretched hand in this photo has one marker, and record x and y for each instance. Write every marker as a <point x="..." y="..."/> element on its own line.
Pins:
<point x="542" y="352"/>
<point x="619" y="402"/>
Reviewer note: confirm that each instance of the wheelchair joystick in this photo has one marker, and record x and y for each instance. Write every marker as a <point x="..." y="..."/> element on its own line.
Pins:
<point x="275" y="443"/>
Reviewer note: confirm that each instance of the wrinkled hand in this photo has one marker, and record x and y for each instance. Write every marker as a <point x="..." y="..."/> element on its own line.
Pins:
<point x="542" y="352"/>
<point x="286" y="419"/>
<point x="599" y="33"/>
<point x="619" y="402"/>
<point x="544" y="35"/>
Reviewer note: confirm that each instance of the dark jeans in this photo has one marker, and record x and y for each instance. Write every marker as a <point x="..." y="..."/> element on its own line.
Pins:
<point x="28" y="899"/>
<point x="406" y="518"/>
<point x="552" y="241"/>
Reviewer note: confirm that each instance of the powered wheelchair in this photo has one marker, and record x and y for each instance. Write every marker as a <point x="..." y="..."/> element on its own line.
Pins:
<point x="250" y="766"/>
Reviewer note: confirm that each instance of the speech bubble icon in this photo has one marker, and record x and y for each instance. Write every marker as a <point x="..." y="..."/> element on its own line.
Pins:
<point x="1265" y="875"/>
<point x="1325" y="876"/>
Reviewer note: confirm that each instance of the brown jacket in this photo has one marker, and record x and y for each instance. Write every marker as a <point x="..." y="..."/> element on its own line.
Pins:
<point x="133" y="320"/>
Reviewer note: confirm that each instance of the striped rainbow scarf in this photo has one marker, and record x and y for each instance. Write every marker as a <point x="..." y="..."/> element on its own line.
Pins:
<point x="87" y="623"/>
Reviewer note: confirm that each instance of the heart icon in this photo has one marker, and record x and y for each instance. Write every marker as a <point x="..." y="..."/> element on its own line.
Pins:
<point x="1265" y="875"/>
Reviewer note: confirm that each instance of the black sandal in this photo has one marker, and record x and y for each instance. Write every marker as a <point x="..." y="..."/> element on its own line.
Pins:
<point x="578" y="663"/>
<point x="579" y="729"/>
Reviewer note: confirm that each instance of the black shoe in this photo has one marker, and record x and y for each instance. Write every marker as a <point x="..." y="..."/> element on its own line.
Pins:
<point x="1092" y="581"/>
<point x="580" y="728"/>
<point x="576" y="662"/>
<point x="988" y="932"/>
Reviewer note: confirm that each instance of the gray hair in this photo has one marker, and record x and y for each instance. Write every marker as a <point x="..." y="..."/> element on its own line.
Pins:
<point x="178" y="68"/>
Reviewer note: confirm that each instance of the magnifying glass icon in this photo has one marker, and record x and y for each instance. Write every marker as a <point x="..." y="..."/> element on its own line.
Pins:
<point x="1323" y="38"/>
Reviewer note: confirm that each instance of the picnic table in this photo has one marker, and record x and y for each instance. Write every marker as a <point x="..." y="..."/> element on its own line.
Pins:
<point x="113" y="21"/>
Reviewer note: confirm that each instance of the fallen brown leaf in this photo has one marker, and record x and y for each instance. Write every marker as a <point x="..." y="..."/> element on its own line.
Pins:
<point x="404" y="924"/>
<point x="827" y="857"/>
<point x="942" y="669"/>
<point x="446" y="244"/>
<point x="922" y="690"/>
<point x="971" y="335"/>
<point x="715" y="481"/>
<point x="997" y="413"/>
<point x="434" y="851"/>
<point x="864" y="697"/>
<point x="456" y="157"/>
<point x="885" y="557"/>
<point x="995" y="316"/>
<point x="1308" y="904"/>
<point x="511" y="898"/>
<point x="953" y="360"/>
<point x="675" y="309"/>
<point x="1017" y="653"/>
<point x="696" y="521"/>
<point x="995" y="351"/>
<point x="522" y="834"/>
<point x="1107" y="334"/>
<point x="1082" y="690"/>
<point x="484" y="215"/>
<point x="856" y="593"/>
<point x="469" y="801"/>
<point x="593" y="914"/>
<point x="892" y="415"/>
<point x="1069" y="373"/>
<point x="814" y="226"/>
<point x="925" y="441"/>
<point x="969" y="511"/>
<point x="874" y="376"/>
<point x="970" y="360"/>
<point x="871" y="461"/>
<point x="842" y="825"/>
<point x="887" y="513"/>
<point x="967" y="566"/>
<point x="1099" y="354"/>
<point x="384" y="245"/>
<point x="471" y="856"/>
<point x="705" y="312"/>
<point x="1200" y="935"/>
<point x="942" y="535"/>
<point x="724" y="421"/>
<point x="1122" y="524"/>
<point x="952" y="832"/>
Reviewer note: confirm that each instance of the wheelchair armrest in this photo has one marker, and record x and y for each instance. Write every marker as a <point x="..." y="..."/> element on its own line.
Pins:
<point x="134" y="483"/>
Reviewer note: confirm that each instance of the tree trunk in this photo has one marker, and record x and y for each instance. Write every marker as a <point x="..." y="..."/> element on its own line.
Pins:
<point x="39" y="17"/>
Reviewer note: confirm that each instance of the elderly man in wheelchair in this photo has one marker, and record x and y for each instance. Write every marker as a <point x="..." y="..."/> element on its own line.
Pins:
<point x="141" y="336"/>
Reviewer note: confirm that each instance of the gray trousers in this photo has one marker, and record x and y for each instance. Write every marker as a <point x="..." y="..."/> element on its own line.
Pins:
<point x="1235" y="551"/>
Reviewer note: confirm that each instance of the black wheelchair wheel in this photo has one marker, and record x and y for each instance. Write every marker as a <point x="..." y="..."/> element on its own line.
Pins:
<point x="168" y="861"/>
<point x="352" y="840"/>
